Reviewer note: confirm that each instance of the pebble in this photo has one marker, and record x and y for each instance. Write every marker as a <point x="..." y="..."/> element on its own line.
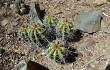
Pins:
<point x="4" y="22"/>
<point x="1" y="38"/>
<point x="100" y="2"/>
<point x="22" y="65"/>
<point x="87" y="44"/>
<point x="108" y="51"/>
<point x="105" y="27"/>
<point x="107" y="30"/>
<point x="12" y="6"/>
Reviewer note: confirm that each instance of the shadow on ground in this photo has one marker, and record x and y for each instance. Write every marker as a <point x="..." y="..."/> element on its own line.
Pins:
<point x="72" y="55"/>
<point x="35" y="66"/>
<point x="74" y="36"/>
<point x="108" y="67"/>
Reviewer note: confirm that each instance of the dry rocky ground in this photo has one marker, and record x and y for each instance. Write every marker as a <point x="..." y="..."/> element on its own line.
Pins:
<point x="12" y="50"/>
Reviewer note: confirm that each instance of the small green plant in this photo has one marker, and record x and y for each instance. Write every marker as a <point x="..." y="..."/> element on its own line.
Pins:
<point x="35" y="31"/>
<point x="57" y="51"/>
<point x="63" y="28"/>
<point x="50" y="24"/>
<point x="23" y="31"/>
<point x="49" y="21"/>
<point x="20" y="7"/>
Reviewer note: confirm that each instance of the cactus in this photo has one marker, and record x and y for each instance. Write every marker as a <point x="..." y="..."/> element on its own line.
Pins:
<point x="64" y="26"/>
<point x="65" y="29"/>
<point x="36" y="33"/>
<point x="49" y="21"/>
<point x="50" y="24"/>
<point x="23" y="31"/>
<point x="57" y="51"/>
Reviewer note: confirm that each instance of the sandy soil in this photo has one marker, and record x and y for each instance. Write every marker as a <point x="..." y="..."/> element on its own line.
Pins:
<point x="12" y="49"/>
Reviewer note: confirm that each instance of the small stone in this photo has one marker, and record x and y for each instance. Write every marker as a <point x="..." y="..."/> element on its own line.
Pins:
<point x="22" y="65"/>
<point x="6" y="4"/>
<point x="12" y="6"/>
<point x="100" y="2"/>
<point x="105" y="27"/>
<point x="15" y="24"/>
<point x="1" y="12"/>
<point x="104" y="24"/>
<point x="4" y="22"/>
<point x="86" y="44"/>
<point x="89" y="21"/>
<point x="42" y="53"/>
<point x="1" y="39"/>
<point x="106" y="30"/>
<point x="108" y="51"/>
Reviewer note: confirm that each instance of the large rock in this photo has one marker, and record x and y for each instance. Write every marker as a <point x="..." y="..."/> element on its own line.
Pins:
<point x="89" y="21"/>
<point x="35" y="13"/>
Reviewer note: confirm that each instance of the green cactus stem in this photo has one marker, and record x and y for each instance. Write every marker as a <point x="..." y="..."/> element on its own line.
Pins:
<point x="36" y="32"/>
<point x="49" y="21"/>
<point x="64" y="24"/>
<point x="23" y="31"/>
<point x="57" y="51"/>
<point x="50" y="24"/>
<point x="64" y="27"/>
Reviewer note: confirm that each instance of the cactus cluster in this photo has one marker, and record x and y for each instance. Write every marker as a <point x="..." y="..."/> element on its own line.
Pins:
<point x="44" y="33"/>
<point x="33" y="33"/>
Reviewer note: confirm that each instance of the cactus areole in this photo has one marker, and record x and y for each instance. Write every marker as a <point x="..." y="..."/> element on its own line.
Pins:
<point x="24" y="26"/>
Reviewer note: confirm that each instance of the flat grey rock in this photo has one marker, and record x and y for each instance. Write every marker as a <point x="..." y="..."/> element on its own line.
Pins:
<point x="89" y="21"/>
<point x="35" y="13"/>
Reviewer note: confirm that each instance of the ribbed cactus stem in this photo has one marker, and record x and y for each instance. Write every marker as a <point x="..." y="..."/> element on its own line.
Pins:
<point x="57" y="50"/>
<point x="23" y="31"/>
